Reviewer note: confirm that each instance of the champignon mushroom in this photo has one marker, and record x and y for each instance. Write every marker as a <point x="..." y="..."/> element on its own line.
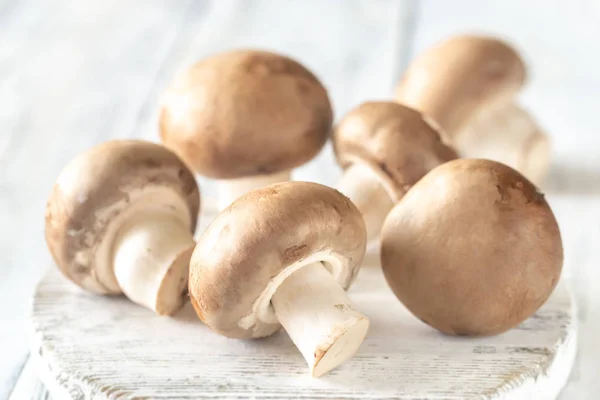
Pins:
<point x="385" y="148"/>
<point x="511" y="136"/>
<point x="120" y="219"/>
<point x="467" y="79"/>
<point x="245" y="118"/>
<point x="284" y="255"/>
<point x="472" y="249"/>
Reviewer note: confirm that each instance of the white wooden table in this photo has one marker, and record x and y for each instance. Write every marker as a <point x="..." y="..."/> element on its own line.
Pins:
<point x="74" y="73"/>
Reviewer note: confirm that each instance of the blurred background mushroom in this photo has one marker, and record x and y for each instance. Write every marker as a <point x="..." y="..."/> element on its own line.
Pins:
<point x="467" y="85"/>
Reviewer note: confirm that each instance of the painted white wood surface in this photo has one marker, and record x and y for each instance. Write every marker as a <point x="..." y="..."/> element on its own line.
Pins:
<point x="87" y="346"/>
<point x="29" y="385"/>
<point x="73" y="74"/>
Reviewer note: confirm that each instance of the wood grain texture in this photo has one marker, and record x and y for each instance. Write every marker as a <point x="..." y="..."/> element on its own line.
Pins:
<point x="89" y="346"/>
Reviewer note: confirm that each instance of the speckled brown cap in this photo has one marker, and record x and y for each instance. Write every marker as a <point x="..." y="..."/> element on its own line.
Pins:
<point x="460" y="76"/>
<point x="257" y="237"/>
<point x="245" y="113"/>
<point x="396" y="141"/>
<point x="97" y="188"/>
<point x="472" y="249"/>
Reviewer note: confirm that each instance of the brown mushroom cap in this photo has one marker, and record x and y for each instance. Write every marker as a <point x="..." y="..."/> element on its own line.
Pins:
<point x="459" y="76"/>
<point x="97" y="188"/>
<point x="472" y="249"/>
<point x="396" y="141"/>
<point x="259" y="236"/>
<point x="245" y="113"/>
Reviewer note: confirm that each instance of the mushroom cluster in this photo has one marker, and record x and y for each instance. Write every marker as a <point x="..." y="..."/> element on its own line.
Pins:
<point x="455" y="100"/>
<point x="469" y="245"/>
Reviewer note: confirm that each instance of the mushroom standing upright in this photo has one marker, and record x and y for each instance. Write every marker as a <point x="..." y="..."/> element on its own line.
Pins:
<point x="467" y="84"/>
<point x="284" y="255"/>
<point x="120" y="219"/>
<point x="385" y="148"/>
<point x="472" y="249"/>
<point x="245" y="118"/>
<point x="511" y="136"/>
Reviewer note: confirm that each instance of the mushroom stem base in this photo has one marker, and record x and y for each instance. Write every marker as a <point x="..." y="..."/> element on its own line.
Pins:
<point x="365" y="189"/>
<point x="319" y="317"/>
<point x="151" y="262"/>
<point x="231" y="189"/>
<point x="510" y="135"/>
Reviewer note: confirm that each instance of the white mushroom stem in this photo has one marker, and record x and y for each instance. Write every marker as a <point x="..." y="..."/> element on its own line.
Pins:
<point x="319" y="317"/>
<point x="151" y="261"/>
<point x="365" y="189"/>
<point x="510" y="135"/>
<point x="230" y="189"/>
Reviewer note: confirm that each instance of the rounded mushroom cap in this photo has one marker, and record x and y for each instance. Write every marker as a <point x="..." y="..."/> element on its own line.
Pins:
<point x="399" y="143"/>
<point x="245" y="113"/>
<point x="472" y="249"/>
<point x="97" y="190"/>
<point x="260" y="239"/>
<point x="456" y="78"/>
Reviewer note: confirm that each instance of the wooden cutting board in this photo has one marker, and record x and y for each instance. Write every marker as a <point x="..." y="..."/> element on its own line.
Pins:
<point x="88" y="346"/>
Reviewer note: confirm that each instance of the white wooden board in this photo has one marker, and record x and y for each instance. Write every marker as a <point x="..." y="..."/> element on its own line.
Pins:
<point x="87" y="346"/>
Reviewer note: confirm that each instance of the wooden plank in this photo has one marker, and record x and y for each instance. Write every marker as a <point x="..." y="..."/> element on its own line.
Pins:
<point x="581" y="230"/>
<point x="29" y="386"/>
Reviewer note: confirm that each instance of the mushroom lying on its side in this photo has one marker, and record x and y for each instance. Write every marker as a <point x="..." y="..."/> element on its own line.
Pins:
<point x="120" y="219"/>
<point x="245" y="118"/>
<point x="468" y="84"/>
<point x="385" y="148"/>
<point x="472" y="249"/>
<point x="284" y="255"/>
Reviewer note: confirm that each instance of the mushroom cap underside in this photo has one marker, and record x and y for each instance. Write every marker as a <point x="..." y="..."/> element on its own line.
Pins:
<point x="261" y="234"/>
<point x="98" y="187"/>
